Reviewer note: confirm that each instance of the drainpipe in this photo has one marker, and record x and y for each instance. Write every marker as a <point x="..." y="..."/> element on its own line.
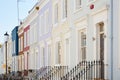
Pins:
<point x="111" y="39"/>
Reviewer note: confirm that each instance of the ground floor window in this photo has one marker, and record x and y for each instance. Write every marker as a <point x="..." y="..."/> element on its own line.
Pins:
<point x="82" y="44"/>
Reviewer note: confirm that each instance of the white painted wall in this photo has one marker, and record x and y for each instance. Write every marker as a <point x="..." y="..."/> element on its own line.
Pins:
<point x="116" y="40"/>
<point x="1" y="60"/>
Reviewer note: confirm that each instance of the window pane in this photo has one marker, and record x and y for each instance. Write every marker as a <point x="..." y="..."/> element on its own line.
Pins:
<point x="64" y="8"/>
<point x="49" y="54"/>
<point x="47" y="21"/>
<point x="83" y="53"/>
<point x="82" y="47"/>
<point x="101" y="27"/>
<point x="58" y="51"/>
<point x="56" y="13"/>
<point x="78" y="4"/>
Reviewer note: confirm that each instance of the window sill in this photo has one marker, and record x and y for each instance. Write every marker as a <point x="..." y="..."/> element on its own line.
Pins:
<point x="57" y="65"/>
<point x="91" y="2"/>
<point x="56" y="24"/>
<point x="77" y="10"/>
<point x="63" y="20"/>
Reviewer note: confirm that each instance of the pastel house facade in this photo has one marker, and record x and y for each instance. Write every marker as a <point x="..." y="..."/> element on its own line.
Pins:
<point x="83" y="35"/>
<point x="21" y="48"/>
<point x="80" y="35"/>
<point x="45" y="28"/>
<point x="61" y="16"/>
<point x="15" y="49"/>
<point x="34" y="30"/>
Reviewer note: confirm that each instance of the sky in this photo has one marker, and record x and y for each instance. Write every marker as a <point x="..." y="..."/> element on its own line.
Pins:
<point x="9" y="14"/>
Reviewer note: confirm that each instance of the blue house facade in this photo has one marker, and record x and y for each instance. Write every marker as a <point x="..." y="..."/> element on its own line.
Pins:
<point x="15" y="41"/>
<point x="15" y="49"/>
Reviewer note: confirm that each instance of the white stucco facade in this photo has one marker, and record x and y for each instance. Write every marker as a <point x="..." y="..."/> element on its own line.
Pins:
<point x="85" y="32"/>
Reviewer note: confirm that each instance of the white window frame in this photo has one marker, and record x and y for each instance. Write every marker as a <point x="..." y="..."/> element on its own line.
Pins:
<point x="57" y="53"/>
<point x="49" y="54"/>
<point x="24" y="39"/>
<point x="28" y="37"/>
<point x="14" y="46"/>
<point x="78" y="6"/>
<point x="46" y="21"/>
<point x="36" y="59"/>
<point x="40" y="25"/>
<point x="90" y="1"/>
<point x="67" y="51"/>
<point x="22" y="43"/>
<point x="80" y="46"/>
<point x="35" y="32"/>
<point x="64" y="9"/>
<point x="98" y="40"/>
<point x="19" y="45"/>
<point x="56" y="11"/>
<point x="43" y="55"/>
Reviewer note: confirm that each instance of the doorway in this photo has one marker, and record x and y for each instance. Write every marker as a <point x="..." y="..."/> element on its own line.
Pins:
<point x="100" y="47"/>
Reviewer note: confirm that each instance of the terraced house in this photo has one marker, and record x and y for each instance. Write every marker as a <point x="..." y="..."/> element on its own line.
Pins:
<point x="70" y="40"/>
<point x="24" y="46"/>
<point x="15" y="49"/>
<point x="21" y="46"/>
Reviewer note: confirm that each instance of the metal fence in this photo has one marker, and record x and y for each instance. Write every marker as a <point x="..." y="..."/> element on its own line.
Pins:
<point x="55" y="73"/>
<point x="86" y="70"/>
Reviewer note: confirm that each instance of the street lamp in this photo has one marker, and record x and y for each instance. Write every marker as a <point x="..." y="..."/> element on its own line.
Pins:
<point x="6" y="39"/>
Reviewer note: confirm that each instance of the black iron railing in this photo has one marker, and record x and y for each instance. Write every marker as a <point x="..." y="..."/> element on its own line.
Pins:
<point x="86" y="70"/>
<point x="55" y="73"/>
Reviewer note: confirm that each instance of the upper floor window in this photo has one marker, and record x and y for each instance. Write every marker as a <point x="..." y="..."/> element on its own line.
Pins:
<point x="25" y="39"/>
<point x="28" y="37"/>
<point x="35" y="32"/>
<point x="42" y="24"/>
<point x="22" y="43"/>
<point x="64" y="9"/>
<point x="78" y="4"/>
<point x="56" y="13"/>
<point x="46" y="21"/>
<point x="31" y="35"/>
<point x="40" y="21"/>
<point x="14" y="46"/>
<point x="19" y="45"/>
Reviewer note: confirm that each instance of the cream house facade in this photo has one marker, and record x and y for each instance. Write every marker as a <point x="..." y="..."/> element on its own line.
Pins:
<point x="80" y="32"/>
<point x="33" y="56"/>
<point x="79" y="21"/>
<point x="60" y="32"/>
<point x="9" y="54"/>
